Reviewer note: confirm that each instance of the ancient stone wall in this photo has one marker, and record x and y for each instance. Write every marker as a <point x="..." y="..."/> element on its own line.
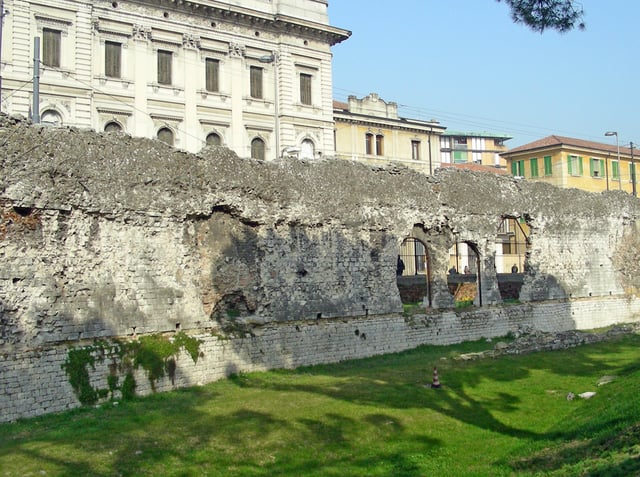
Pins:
<point x="108" y="239"/>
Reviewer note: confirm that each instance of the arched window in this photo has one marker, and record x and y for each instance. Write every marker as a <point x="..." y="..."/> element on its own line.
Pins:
<point x="166" y="135"/>
<point x="51" y="117"/>
<point x="307" y="149"/>
<point x="112" y="126"/>
<point x="257" y="148"/>
<point x="214" y="139"/>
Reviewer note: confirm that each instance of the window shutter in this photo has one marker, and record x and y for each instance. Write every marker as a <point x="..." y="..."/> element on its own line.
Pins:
<point x="305" y="88"/>
<point x="164" y="67"/>
<point x="580" y="164"/>
<point x="112" y="59"/>
<point x="51" y="47"/>
<point x="514" y="168"/>
<point x="592" y="168"/>
<point x="569" y="165"/>
<point x="602" y="167"/>
<point x="212" y="69"/>
<point x="255" y="77"/>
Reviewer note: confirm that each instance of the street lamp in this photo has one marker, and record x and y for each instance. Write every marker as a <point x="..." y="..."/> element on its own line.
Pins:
<point x="615" y="133"/>
<point x="273" y="58"/>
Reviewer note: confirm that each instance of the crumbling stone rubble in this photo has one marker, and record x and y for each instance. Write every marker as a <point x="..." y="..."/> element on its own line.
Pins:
<point x="528" y="340"/>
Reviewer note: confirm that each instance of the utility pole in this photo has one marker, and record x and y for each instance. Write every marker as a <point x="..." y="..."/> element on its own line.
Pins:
<point x="2" y="14"/>
<point x="633" y="172"/>
<point x="35" y="113"/>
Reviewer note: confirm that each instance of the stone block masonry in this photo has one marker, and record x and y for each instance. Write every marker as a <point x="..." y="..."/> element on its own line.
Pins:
<point x="106" y="238"/>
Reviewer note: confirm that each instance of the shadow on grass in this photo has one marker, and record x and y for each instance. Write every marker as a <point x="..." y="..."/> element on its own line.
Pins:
<point x="182" y="433"/>
<point x="236" y="428"/>
<point x="387" y="386"/>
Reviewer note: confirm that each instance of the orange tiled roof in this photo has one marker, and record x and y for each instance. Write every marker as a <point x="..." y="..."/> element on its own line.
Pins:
<point x="551" y="141"/>
<point x="340" y="105"/>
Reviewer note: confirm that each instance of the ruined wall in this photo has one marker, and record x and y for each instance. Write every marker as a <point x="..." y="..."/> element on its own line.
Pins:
<point x="268" y="264"/>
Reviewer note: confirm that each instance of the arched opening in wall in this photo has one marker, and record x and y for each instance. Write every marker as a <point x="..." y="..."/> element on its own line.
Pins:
<point x="512" y="245"/>
<point x="257" y="149"/>
<point x="307" y="149"/>
<point x="166" y="136"/>
<point x="51" y="117"/>
<point x="413" y="274"/>
<point x="213" y="139"/>
<point x="463" y="276"/>
<point x="112" y="126"/>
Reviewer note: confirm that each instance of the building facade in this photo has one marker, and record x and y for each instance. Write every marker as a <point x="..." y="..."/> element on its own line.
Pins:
<point x="371" y="131"/>
<point x="575" y="163"/>
<point x="252" y="75"/>
<point x="481" y="148"/>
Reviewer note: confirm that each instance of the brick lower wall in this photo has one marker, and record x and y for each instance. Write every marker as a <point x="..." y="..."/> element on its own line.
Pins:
<point x="35" y="383"/>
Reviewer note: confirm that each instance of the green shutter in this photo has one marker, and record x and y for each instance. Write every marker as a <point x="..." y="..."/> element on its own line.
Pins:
<point x="580" y="164"/>
<point x="548" y="170"/>
<point x="534" y="166"/>
<point x="602" y="173"/>
<point x="615" y="172"/>
<point x="460" y="157"/>
<point x="591" y="168"/>
<point x="514" y="168"/>
<point x="569" y="165"/>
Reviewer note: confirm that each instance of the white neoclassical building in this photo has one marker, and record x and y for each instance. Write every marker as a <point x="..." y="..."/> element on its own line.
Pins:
<point x="252" y="75"/>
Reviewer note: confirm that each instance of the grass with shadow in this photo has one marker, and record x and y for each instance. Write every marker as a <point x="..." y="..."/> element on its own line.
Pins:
<point x="373" y="417"/>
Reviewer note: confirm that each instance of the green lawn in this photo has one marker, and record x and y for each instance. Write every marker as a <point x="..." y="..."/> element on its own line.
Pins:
<point x="372" y="417"/>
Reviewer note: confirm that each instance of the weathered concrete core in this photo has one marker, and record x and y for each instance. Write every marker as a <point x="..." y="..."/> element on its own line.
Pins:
<point x="271" y="264"/>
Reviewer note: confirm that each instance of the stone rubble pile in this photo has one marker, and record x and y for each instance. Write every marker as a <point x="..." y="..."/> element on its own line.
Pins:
<point x="529" y="340"/>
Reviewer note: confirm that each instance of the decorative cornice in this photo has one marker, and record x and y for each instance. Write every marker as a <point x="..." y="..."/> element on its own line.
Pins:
<point x="217" y="11"/>
<point x="115" y="112"/>
<point x="395" y="124"/>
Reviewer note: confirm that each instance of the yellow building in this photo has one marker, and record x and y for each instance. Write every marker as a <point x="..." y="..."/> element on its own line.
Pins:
<point x="370" y="130"/>
<point x="574" y="163"/>
<point x="483" y="148"/>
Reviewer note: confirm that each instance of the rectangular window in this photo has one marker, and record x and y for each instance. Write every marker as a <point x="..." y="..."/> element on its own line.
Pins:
<point x="517" y="168"/>
<point x="460" y="157"/>
<point x="596" y="167"/>
<point x="51" y="40"/>
<point x="615" y="170"/>
<point x="379" y="145"/>
<point x="368" y="145"/>
<point x="255" y="77"/>
<point x="460" y="142"/>
<point x="305" y="88"/>
<point x="112" y="59"/>
<point x="548" y="167"/>
<point x="533" y="163"/>
<point x="164" y="66"/>
<point x="574" y="165"/>
<point x="415" y="150"/>
<point x="212" y="74"/>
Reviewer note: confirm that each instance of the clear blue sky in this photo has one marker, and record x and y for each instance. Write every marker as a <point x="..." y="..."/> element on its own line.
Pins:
<point x="467" y="65"/>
